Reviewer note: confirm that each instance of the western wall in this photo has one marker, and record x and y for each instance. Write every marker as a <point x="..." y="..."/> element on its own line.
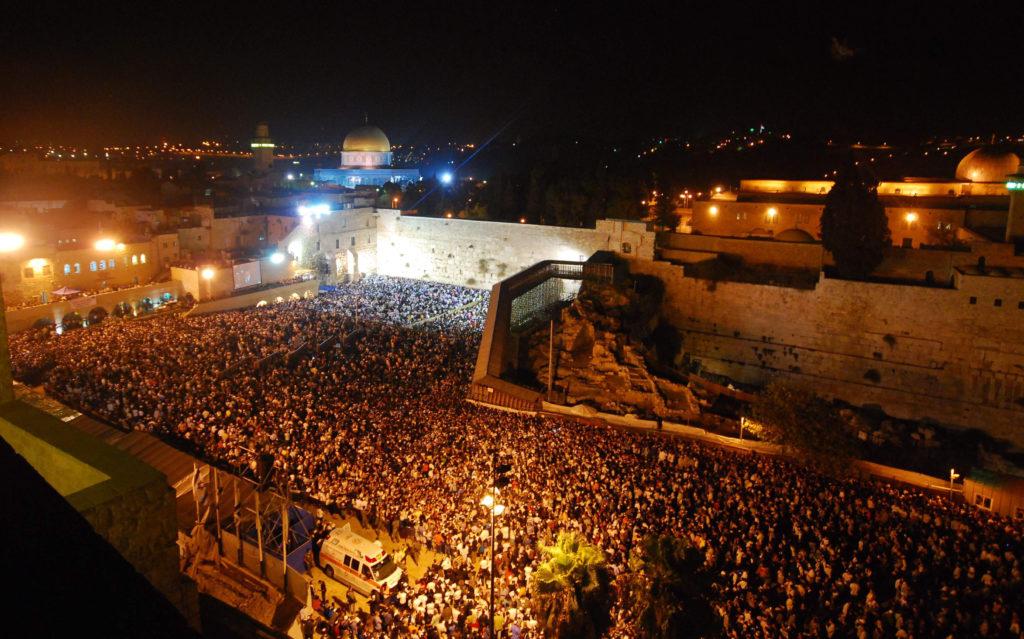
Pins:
<point x="480" y="254"/>
<point x="951" y="354"/>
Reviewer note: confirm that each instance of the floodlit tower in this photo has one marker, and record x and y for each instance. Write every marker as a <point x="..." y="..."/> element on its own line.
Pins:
<point x="1015" y="216"/>
<point x="262" y="148"/>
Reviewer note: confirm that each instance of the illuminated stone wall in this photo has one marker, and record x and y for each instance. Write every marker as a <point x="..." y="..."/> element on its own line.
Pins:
<point x="911" y="187"/>
<point x="915" y="225"/>
<point x="479" y="254"/>
<point x="918" y="352"/>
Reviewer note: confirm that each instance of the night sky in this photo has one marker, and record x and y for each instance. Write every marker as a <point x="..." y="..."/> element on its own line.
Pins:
<point x="434" y="72"/>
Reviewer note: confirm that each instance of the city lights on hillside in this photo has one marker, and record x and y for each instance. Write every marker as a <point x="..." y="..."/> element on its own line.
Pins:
<point x="11" y="241"/>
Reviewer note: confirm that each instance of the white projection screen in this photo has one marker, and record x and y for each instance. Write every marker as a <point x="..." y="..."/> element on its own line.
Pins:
<point x="247" y="275"/>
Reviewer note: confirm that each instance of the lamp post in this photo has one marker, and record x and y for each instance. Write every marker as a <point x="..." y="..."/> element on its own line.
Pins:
<point x="953" y="475"/>
<point x="499" y="478"/>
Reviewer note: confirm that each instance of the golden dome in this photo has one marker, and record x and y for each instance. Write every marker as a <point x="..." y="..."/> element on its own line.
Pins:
<point x="987" y="164"/>
<point x="368" y="138"/>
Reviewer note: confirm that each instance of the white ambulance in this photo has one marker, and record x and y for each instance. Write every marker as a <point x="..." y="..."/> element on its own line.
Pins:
<point x="358" y="562"/>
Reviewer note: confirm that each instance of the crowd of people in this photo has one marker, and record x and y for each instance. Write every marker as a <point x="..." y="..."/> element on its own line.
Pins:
<point x="405" y="302"/>
<point x="376" y="423"/>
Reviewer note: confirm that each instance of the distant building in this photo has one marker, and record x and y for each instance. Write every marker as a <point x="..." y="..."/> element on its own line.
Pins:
<point x="262" y="149"/>
<point x="921" y="211"/>
<point x="366" y="160"/>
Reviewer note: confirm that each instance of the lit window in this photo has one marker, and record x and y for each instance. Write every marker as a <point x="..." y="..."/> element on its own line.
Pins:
<point x="135" y="259"/>
<point x="143" y="258"/>
<point x="67" y="269"/>
<point x="103" y="265"/>
<point x="110" y="262"/>
<point x="78" y="267"/>
<point x="92" y="266"/>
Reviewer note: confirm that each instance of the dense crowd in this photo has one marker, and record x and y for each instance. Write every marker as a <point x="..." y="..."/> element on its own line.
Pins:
<point x="376" y="423"/>
<point x="406" y="302"/>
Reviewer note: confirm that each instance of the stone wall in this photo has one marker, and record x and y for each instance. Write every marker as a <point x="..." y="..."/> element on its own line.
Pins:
<point x="142" y="526"/>
<point x="480" y="254"/>
<point x="924" y="225"/>
<point x="679" y="247"/>
<point x="21" y="318"/>
<point x="919" y="352"/>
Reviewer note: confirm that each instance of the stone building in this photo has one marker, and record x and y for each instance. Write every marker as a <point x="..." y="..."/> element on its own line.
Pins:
<point x="920" y="211"/>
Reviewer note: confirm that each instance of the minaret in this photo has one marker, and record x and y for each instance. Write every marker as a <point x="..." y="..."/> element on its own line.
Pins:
<point x="262" y="149"/>
<point x="1015" y="216"/>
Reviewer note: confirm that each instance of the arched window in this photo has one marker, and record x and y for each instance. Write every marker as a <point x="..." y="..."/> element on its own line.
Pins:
<point x="103" y="265"/>
<point x="110" y="263"/>
<point x="143" y="258"/>
<point x="92" y="266"/>
<point x="67" y="269"/>
<point x="135" y="259"/>
<point x="78" y="267"/>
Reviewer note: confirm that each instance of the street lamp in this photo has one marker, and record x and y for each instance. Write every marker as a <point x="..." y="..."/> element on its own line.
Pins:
<point x="953" y="475"/>
<point x="499" y="479"/>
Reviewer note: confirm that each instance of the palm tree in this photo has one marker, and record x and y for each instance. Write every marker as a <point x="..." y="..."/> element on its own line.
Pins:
<point x="664" y="591"/>
<point x="571" y="590"/>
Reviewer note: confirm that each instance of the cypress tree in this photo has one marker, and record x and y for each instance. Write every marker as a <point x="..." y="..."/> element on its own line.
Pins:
<point x="854" y="227"/>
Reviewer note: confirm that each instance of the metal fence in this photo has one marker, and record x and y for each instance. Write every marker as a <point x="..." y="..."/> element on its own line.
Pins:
<point x="541" y="289"/>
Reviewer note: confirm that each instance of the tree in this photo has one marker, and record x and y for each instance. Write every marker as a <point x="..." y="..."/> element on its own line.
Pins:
<point x="664" y="593"/>
<point x="571" y="590"/>
<point x="810" y="428"/>
<point x="854" y="227"/>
